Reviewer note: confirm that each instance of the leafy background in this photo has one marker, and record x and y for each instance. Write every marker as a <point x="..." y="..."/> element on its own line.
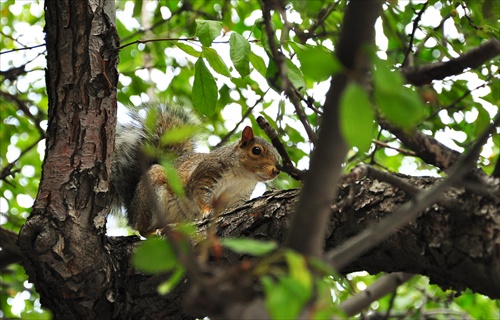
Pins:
<point x="227" y="76"/>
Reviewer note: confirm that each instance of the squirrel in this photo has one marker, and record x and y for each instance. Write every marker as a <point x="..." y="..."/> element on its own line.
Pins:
<point x="212" y="181"/>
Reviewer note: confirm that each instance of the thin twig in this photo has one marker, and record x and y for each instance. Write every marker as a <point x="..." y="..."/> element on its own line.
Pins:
<point x="21" y="104"/>
<point x="186" y="7"/>
<point x="412" y="37"/>
<point x="466" y="93"/>
<point x="309" y="101"/>
<point x="7" y="170"/>
<point x="287" y="166"/>
<point x="173" y="39"/>
<point x="245" y="115"/>
<point x="286" y="85"/>
<point x="20" y="49"/>
<point x="400" y="150"/>
<point x="429" y="35"/>
<point x="155" y="40"/>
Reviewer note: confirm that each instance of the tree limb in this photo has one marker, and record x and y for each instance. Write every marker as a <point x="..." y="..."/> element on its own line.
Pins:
<point x="287" y="166"/>
<point x="384" y="285"/>
<point x="425" y="74"/>
<point x="279" y="58"/>
<point x="10" y="252"/>
<point x="310" y="220"/>
<point x="412" y="36"/>
<point x="372" y="236"/>
<point x="426" y="147"/>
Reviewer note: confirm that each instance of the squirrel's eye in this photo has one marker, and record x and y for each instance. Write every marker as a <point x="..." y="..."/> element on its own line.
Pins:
<point x="256" y="151"/>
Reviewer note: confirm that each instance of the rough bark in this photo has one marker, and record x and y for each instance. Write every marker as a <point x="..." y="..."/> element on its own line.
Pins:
<point x="63" y="239"/>
<point x="456" y="247"/>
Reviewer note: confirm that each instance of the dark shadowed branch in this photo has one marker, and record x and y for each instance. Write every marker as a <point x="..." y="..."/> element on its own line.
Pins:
<point x="425" y="147"/>
<point x="306" y="234"/>
<point x="10" y="252"/>
<point x="420" y="75"/>
<point x="284" y="82"/>
<point x="287" y="166"/>
<point x="414" y="29"/>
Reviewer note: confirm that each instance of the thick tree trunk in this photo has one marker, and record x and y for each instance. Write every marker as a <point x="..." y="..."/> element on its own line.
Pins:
<point x="63" y="239"/>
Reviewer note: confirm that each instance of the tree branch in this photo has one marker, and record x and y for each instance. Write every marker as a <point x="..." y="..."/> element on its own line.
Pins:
<point x="384" y="285"/>
<point x="279" y="59"/>
<point x="455" y="248"/>
<point x="426" y="147"/>
<point x="412" y="36"/>
<point x="10" y="252"/>
<point x="421" y="75"/>
<point x="372" y="236"/>
<point x="288" y="166"/>
<point x="307" y="232"/>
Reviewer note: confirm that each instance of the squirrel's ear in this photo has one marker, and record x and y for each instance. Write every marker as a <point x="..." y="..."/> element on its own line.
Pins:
<point x="247" y="134"/>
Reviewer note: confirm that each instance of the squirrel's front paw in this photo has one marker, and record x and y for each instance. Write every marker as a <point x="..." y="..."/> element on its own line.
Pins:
<point x="206" y="211"/>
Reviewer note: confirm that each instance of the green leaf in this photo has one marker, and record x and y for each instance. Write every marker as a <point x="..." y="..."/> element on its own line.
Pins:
<point x="179" y="134"/>
<point x="482" y="122"/>
<point x="188" y="49"/>
<point x="324" y="308"/>
<point x="285" y="298"/>
<point x="356" y="117"/>
<point x="172" y="281"/>
<point x="207" y="31"/>
<point x="173" y="178"/>
<point x="318" y="63"/>
<point x="258" y="63"/>
<point x="137" y="10"/>
<point x="239" y="51"/>
<point x="397" y="103"/>
<point x="154" y="255"/>
<point x="215" y="61"/>
<point x="186" y="228"/>
<point x="403" y="108"/>
<point x="386" y="79"/>
<point x="204" y="89"/>
<point x="299" y="271"/>
<point x="249" y="246"/>
<point x="293" y="73"/>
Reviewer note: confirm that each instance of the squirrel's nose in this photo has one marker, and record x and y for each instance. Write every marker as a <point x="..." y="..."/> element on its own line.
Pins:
<point x="275" y="171"/>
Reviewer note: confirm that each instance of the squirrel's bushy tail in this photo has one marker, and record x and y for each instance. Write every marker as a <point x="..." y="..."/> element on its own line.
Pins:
<point x="130" y="159"/>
